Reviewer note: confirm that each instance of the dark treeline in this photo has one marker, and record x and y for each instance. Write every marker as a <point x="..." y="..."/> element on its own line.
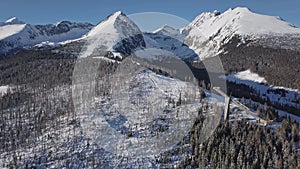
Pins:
<point x="245" y="145"/>
<point x="34" y="68"/>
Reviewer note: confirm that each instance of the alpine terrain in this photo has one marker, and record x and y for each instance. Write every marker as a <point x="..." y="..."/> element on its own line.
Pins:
<point x="221" y="92"/>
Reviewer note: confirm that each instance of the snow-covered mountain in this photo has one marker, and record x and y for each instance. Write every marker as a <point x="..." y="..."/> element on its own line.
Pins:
<point x="116" y="34"/>
<point x="168" y="31"/>
<point x="210" y="30"/>
<point x="17" y="34"/>
<point x="170" y="40"/>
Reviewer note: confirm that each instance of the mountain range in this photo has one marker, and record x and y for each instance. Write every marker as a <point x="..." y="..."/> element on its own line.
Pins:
<point x="17" y="34"/>
<point x="204" y="37"/>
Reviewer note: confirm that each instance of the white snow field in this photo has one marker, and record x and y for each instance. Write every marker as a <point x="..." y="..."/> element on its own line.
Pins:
<point x="248" y="75"/>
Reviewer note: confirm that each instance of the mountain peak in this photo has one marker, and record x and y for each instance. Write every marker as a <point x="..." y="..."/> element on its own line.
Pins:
<point x="63" y="23"/>
<point x="112" y="24"/>
<point x="14" y="20"/>
<point x="216" y="12"/>
<point x="218" y="29"/>
<point x="165" y="28"/>
<point x="111" y="33"/>
<point x="116" y="15"/>
<point x="241" y="20"/>
<point x="241" y="9"/>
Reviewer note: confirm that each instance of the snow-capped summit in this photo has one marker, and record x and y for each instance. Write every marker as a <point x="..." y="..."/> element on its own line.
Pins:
<point x="204" y="17"/>
<point x="167" y="30"/>
<point x="17" y="34"/>
<point x="117" y="34"/>
<point x="14" y="20"/>
<point x="210" y="30"/>
<point x="114" y="25"/>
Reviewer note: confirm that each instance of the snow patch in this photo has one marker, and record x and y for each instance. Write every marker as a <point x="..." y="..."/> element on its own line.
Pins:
<point x="14" y="20"/>
<point x="248" y="75"/>
<point x="4" y="90"/>
<point x="46" y="44"/>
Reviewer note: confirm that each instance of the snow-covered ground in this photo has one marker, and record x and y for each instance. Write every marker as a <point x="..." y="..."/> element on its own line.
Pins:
<point x="143" y="105"/>
<point x="237" y="114"/>
<point x="137" y="121"/>
<point x="275" y="94"/>
<point x="281" y="113"/>
<point x="4" y="89"/>
<point x="140" y="119"/>
<point x="246" y="75"/>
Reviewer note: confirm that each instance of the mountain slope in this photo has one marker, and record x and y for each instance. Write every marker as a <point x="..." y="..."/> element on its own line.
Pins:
<point x="209" y="31"/>
<point x="17" y="34"/>
<point x="168" y="39"/>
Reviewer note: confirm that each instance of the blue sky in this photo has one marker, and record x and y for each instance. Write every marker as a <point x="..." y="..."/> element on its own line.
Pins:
<point x="52" y="11"/>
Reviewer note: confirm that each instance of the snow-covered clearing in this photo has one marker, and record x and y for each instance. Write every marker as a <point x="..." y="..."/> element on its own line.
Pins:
<point x="247" y="75"/>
